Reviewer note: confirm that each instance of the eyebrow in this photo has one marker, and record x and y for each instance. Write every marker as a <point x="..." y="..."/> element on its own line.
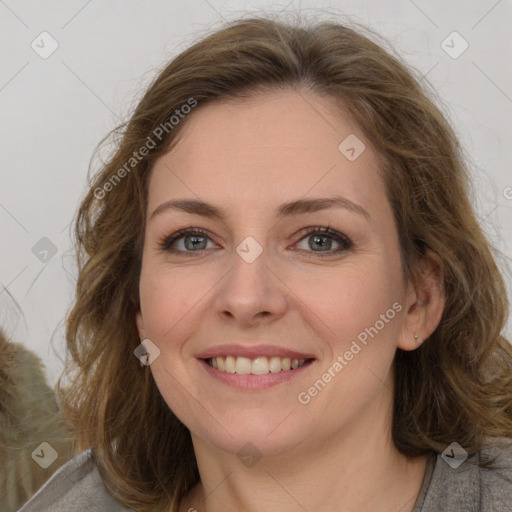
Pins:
<point x="298" y="207"/>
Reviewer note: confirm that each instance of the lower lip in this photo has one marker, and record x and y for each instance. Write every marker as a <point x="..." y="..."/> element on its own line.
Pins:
<point x="251" y="381"/>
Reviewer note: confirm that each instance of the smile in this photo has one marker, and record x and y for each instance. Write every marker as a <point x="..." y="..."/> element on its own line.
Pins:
<point x="257" y="366"/>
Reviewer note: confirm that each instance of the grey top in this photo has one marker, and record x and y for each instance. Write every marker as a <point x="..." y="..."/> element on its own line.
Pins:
<point x="77" y="486"/>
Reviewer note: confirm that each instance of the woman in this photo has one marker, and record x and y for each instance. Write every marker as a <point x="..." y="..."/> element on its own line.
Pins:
<point x="285" y="301"/>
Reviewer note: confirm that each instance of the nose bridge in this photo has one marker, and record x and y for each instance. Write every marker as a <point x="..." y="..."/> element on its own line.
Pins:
<point x="249" y="275"/>
<point x="250" y="287"/>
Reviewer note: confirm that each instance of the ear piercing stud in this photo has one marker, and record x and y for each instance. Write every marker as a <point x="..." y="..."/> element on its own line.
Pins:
<point x="419" y="340"/>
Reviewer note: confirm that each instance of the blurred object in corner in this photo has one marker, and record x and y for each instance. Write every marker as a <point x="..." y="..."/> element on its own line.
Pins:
<point x="34" y="440"/>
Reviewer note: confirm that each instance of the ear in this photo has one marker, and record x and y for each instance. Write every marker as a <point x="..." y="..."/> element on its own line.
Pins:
<point x="140" y="325"/>
<point x="425" y="302"/>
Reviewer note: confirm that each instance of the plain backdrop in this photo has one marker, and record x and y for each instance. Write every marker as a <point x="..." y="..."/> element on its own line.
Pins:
<point x="56" y="108"/>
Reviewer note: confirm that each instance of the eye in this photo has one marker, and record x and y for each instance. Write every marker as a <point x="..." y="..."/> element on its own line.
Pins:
<point x="186" y="241"/>
<point x="320" y="240"/>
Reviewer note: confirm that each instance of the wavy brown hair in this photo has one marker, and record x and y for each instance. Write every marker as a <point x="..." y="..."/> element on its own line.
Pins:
<point x="456" y="386"/>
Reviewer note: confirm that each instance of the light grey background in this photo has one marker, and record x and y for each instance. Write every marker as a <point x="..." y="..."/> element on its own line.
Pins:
<point x="55" y="110"/>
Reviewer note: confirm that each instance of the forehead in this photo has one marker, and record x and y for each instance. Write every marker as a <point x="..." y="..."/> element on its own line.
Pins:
<point x="267" y="149"/>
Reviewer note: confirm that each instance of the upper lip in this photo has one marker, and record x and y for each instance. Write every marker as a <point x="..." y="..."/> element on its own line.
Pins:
<point x="252" y="352"/>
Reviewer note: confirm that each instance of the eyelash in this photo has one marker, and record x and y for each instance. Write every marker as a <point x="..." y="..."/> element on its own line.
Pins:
<point x="345" y="242"/>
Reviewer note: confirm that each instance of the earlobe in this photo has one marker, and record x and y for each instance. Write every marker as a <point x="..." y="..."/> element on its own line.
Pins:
<point x="426" y="310"/>
<point x="418" y="340"/>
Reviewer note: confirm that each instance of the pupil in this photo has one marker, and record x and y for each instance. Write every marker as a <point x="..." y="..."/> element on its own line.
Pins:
<point x="321" y="242"/>
<point x="194" y="242"/>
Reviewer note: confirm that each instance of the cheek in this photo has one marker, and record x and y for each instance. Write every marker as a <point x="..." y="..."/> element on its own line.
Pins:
<point x="174" y="302"/>
<point x="360" y="317"/>
<point x="353" y="299"/>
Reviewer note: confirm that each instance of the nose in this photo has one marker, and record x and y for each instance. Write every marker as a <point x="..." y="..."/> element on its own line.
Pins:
<point x="251" y="293"/>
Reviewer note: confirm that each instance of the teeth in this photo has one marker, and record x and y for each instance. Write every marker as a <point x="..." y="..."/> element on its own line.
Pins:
<point x="260" y="366"/>
<point x="243" y="365"/>
<point x="230" y="365"/>
<point x="257" y="366"/>
<point x="275" y="364"/>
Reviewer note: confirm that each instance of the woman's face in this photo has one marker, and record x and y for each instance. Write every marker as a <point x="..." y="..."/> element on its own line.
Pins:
<point x="257" y="285"/>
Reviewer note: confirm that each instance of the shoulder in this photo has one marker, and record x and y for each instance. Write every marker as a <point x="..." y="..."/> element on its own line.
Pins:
<point x="75" y="487"/>
<point x="470" y="486"/>
<point x="496" y="483"/>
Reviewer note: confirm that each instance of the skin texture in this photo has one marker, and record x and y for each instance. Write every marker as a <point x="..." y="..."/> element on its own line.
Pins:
<point x="335" y="452"/>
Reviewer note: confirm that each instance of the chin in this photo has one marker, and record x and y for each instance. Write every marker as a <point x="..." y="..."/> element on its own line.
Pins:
<point x="251" y="432"/>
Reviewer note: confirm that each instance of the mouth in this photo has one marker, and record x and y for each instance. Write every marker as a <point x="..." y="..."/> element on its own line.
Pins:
<point x="253" y="368"/>
<point x="260" y="365"/>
